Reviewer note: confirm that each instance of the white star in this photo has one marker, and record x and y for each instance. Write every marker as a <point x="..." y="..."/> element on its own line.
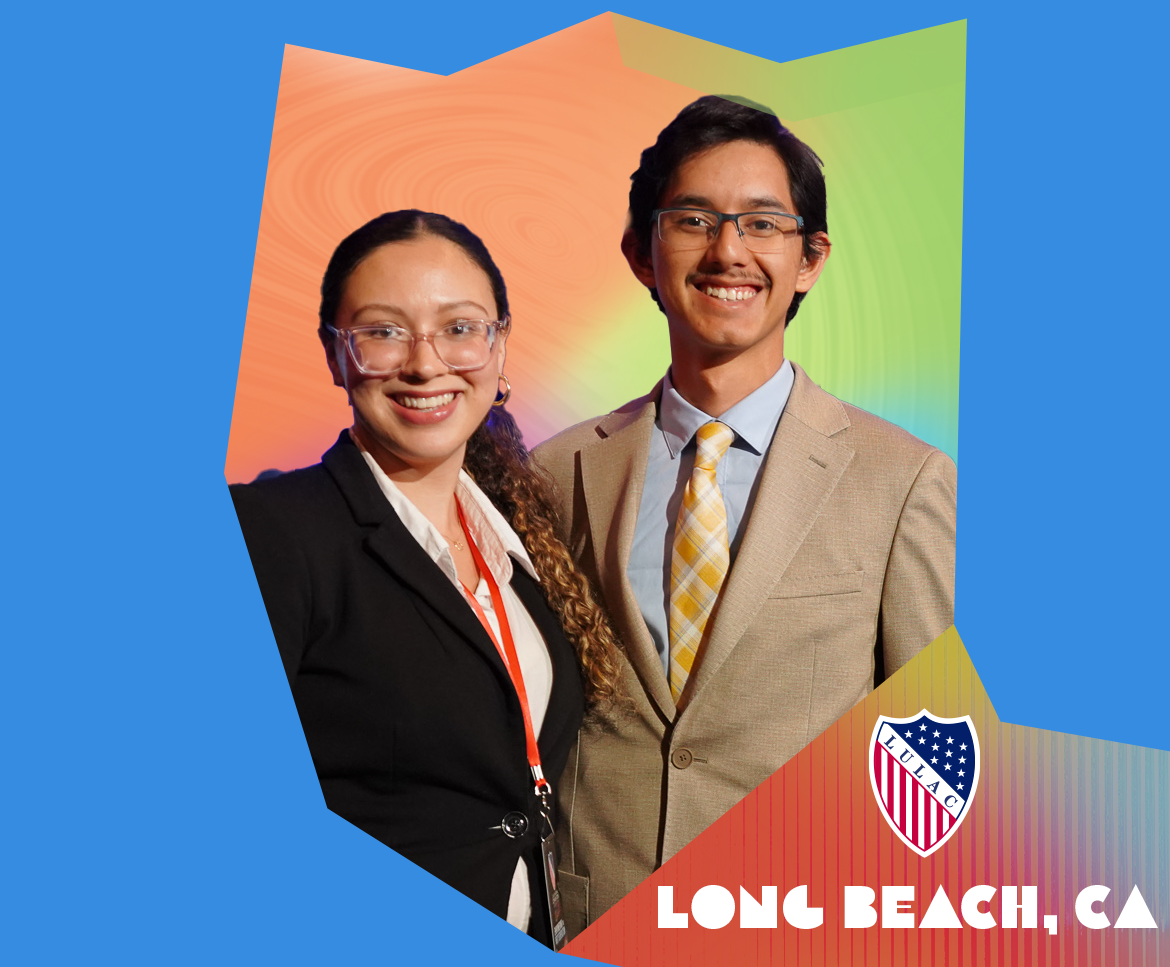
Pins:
<point x="963" y="747"/>
<point x="962" y="773"/>
<point x="947" y="766"/>
<point x="949" y="740"/>
<point x="959" y="786"/>
<point x="948" y="753"/>
<point x="909" y="734"/>
<point x="922" y="728"/>
<point x="962" y="758"/>
<point x="934" y="748"/>
<point x="936" y="733"/>
<point x="934" y="760"/>
<point x="922" y="741"/>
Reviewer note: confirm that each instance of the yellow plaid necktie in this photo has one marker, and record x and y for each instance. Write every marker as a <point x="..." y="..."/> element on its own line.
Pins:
<point x="700" y="559"/>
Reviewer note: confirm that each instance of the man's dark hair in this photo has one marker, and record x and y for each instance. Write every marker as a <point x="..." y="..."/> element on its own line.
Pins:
<point x="402" y="226"/>
<point x="707" y="123"/>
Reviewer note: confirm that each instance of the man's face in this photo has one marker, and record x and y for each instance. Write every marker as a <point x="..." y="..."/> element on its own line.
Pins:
<point x="745" y="319"/>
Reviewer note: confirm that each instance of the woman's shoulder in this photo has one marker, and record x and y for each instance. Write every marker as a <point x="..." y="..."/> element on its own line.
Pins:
<point x="293" y="501"/>
<point x="276" y="488"/>
<point x="278" y="485"/>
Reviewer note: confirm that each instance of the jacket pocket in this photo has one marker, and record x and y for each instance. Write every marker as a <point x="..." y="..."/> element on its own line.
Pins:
<point x="812" y="585"/>
<point x="574" y="901"/>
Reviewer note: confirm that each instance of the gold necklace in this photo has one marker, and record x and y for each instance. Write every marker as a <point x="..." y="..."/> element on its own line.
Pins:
<point x="457" y="544"/>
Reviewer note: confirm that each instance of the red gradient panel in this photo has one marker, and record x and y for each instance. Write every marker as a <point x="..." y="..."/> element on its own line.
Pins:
<point x="1054" y="811"/>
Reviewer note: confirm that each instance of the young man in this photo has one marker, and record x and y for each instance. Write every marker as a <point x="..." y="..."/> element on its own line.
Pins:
<point x="767" y="552"/>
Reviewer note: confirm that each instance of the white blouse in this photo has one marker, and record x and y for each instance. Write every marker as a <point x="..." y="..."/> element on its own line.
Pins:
<point x="500" y="546"/>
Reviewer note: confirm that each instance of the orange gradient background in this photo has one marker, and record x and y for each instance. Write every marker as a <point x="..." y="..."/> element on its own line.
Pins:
<point x="532" y="150"/>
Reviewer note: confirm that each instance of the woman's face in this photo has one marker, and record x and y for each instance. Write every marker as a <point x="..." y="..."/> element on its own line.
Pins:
<point x="421" y="418"/>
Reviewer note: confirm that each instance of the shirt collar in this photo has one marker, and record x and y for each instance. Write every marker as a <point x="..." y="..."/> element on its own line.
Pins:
<point x="494" y="537"/>
<point x="490" y="527"/>
<point x="753" y="419"/>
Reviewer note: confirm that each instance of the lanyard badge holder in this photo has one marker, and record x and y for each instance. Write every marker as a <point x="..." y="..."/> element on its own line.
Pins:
<point x="542" y="788"/>
<point x="548" y="863"/>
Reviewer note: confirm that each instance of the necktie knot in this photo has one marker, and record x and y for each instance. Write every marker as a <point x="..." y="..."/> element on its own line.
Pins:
<point x="714" y="439"/>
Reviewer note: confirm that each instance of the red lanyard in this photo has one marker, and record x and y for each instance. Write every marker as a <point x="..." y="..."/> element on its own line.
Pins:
<point x="507" y="652"/>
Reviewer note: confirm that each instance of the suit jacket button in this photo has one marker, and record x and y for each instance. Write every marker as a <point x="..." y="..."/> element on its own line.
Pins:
<point x="514" y="825"/>
<point x="681" y="758"/>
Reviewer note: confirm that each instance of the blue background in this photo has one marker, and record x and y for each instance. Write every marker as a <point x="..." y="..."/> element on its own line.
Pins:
<point x="160" y="804"/>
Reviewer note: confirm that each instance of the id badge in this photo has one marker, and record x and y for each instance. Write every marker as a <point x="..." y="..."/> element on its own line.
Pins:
<point x="548" y="857"/>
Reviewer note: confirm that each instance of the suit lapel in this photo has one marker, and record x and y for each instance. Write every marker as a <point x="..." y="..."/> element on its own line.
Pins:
<point x="801" y="469"/>
<point x="613" y="471"/>
<point x="392" y="545"/>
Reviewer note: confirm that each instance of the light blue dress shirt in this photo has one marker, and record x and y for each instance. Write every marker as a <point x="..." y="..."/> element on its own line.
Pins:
<point x="672" y="458"/>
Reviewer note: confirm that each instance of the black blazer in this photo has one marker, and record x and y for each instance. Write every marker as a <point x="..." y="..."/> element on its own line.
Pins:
<point x="412" y="721"/>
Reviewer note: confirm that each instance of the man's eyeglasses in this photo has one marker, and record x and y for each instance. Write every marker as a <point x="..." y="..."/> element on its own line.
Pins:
<point x="461" y="346"/>
<point x="695" y="228"/>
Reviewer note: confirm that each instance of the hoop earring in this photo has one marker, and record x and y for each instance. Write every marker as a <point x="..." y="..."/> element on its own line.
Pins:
<point x="502" y="398"/>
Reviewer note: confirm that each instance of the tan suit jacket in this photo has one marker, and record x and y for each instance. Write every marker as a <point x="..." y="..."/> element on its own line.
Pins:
<point x="845" y="571"/>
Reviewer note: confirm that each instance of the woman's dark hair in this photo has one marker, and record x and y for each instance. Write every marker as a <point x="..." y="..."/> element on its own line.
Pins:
<point x="402" y="226"/>
<point x="712" y="121"/>
<point x="496" y="456"/>
<point x="502" y="467"/>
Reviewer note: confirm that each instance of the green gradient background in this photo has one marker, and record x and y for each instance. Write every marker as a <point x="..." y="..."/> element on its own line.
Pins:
<point x="881" y="328"/>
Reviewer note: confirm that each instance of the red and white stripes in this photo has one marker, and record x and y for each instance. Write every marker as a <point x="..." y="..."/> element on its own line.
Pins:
<point x="912" y="808"/>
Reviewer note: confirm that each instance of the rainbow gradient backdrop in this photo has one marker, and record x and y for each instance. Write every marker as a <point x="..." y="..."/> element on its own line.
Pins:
<point x="533" y="150"/>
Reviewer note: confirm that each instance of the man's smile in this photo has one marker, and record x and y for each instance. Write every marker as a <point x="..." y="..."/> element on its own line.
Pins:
<point x="728" y="290"/>
<point x="732" y="294"/>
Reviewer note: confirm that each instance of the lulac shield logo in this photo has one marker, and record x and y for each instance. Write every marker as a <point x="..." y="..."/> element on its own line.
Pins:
<point x="924" y="770"/>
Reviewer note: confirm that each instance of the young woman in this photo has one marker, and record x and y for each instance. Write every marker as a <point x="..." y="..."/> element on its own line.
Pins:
<point x="440" y="646"/>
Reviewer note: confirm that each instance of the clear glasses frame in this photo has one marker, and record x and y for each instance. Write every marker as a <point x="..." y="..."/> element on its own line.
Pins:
<point x="754" y="239"/>
<point x="352" y="337"/>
